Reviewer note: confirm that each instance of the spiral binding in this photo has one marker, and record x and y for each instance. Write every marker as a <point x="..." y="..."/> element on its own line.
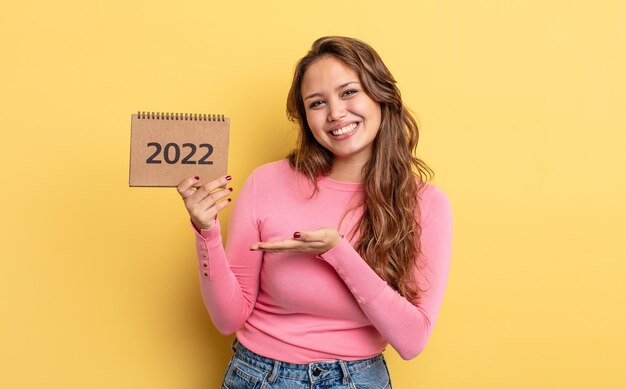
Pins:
<point x="180" y="116"/>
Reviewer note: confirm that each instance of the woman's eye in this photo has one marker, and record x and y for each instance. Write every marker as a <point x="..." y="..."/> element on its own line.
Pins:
<point x="350" y="92"/>
<point x="316" y="104"/>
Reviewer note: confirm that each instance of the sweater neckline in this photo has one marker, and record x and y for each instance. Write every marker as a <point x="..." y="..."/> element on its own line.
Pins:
<point x="340" y="185"/>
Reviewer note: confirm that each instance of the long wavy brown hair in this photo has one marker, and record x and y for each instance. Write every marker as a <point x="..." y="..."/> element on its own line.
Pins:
<point x="389" y="230"/>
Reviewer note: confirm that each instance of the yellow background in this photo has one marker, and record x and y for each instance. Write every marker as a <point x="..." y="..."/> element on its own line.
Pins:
<point x="521" y="105"/>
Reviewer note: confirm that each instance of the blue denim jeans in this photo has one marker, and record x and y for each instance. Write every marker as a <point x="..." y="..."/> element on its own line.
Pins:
<point x="248" y="370"/>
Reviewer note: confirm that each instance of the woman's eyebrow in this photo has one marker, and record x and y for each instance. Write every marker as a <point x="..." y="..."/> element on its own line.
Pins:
<point x="338" y="88"/>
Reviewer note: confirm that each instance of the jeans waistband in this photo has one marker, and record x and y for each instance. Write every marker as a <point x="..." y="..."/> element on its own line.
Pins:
<point x="314" y="371"/>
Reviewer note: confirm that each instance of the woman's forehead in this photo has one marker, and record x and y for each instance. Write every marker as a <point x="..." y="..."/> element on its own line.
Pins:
<point x="327" y="72"/>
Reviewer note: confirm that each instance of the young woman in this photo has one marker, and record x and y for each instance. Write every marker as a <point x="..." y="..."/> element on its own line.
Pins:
<point x="336" y="251"/>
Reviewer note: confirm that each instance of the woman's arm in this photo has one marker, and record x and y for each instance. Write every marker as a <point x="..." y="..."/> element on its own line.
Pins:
<point x="230" y="286"/>
<point x="404" y="325"/>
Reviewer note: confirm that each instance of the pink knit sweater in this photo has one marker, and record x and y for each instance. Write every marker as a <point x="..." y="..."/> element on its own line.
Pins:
<point x="299" y="307"/>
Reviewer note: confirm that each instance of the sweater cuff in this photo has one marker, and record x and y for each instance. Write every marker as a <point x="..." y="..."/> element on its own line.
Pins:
<point x="207" y="233"/>
<point x="358" y="276"/>
<point x="211" y="264"/>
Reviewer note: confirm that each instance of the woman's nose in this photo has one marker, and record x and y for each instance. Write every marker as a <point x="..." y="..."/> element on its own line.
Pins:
<point x="336" y="110"/>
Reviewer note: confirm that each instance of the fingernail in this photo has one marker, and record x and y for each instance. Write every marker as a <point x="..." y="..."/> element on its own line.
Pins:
<point x="229" y="200"/>
<point x="230" y="189"/>
<point x="296" y="235"/>
<point x="197" y="178"/>
<point x="228" y="178"/>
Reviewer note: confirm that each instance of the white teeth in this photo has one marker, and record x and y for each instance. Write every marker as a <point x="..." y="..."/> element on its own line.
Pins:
<point x="344" y="130"/>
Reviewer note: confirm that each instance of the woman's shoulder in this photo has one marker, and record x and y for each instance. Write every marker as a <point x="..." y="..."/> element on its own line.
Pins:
<point x="273" y="173"/>
<point x="429" y="190"/>
<point x="278" y="168"/>
<point x="431" y="196"/>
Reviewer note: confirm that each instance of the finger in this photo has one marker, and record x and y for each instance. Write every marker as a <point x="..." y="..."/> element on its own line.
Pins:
<point x="207" y="188"/>
<point x="308" y="236"/>
<point x="214" y="198"/>
<point x="221" y="205"/>
<point x="185" y="188"/>
<point x="280" y="245"/>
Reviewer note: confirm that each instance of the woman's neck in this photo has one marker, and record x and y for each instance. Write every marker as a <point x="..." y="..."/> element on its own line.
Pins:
<point x="347" y="171"/>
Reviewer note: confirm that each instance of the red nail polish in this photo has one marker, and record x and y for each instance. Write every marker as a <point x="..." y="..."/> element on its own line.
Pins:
<point x="229" y="200"/>
<point x="230" y="189"/>
<point x="197" y="178"/>
<point x="296" y="235"/>
<point x="228" y="178"/>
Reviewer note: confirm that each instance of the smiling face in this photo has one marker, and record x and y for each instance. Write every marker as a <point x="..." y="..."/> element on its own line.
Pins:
<point x="341" y="115"/>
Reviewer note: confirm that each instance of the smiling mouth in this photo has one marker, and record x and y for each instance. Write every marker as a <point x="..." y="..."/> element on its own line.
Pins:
<point x="344" y="130"/>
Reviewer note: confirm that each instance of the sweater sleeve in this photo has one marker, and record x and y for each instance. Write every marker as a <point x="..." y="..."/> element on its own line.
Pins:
<point x="229" y="278"/>
<point x="406" y="326"/>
